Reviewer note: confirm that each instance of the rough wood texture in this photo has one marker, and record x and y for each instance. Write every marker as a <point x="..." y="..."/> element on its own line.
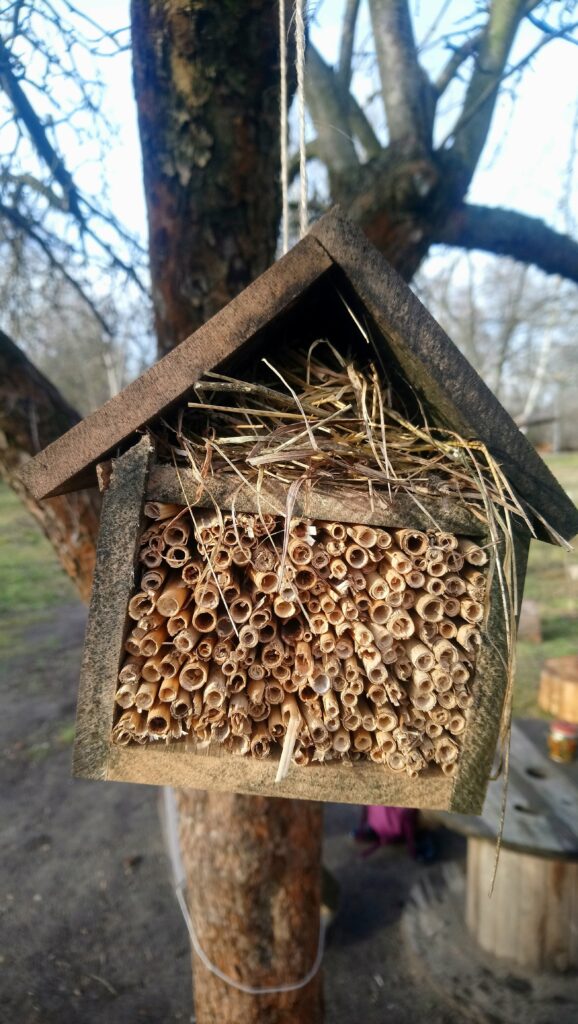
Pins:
<point x="61" y="465"/>
<point x="113" y="583"/>
<point x="177" y="764"/>
<point x="483" y="727"/>
<point x="208" y="113"/>
<point x="429" y="361"/>
<point x="541" y="800"/>
<point x="268" y="884"/>
<point x="532" y="917"/>
<point x="558" y="694"/>
<point x="436" y="369"/>
<point x="346" y="504"/>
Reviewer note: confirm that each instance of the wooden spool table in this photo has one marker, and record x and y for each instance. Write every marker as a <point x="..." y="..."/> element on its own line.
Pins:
<point x="558" y="694"/>
<point x="532" y="917"/>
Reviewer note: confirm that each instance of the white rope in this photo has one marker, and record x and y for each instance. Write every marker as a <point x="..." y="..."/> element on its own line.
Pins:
<point x="300" y="65"/>
<point x="174" y="852"/>
<point x="284" y="128"/>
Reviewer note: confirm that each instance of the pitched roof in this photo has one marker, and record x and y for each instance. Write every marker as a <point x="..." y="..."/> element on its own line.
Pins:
<point x="406" y="332"/>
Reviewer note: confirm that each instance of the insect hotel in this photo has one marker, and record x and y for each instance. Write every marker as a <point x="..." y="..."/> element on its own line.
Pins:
<point x="313" y="543"/>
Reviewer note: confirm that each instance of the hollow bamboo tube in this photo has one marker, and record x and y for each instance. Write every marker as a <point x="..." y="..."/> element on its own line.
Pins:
<point x="272" y="653"/>
<point x="181" y="705"/>
<point x="248" y="637"/>
<point x="131" y="670"/>
<point x="207" y="595"/>
<point x="471" y="611"/>
<point x="433" y="730"/>
<point x="153" y="579"/>
<point x="435" y="586"/>
<point x="172" y="597"/>
<point x="314" y="718"/>
<point x="459" y="674"/>
<point x="395" y="582"/>
<point x="464" y="700"/>
<point x="395" y="761"/>
<point x="400" y="624"/>
<point x="362" y="740"/>
<point x="441" y="679"/>
<point x="152" y="669"/>
<point x="299" y="551"/>
<point x="260" y="741"/>
<point x="283" y="608"/>
<point x="192" y="572"/>
<point x="376" y="691"/>
<point x="413" y="542"/>
<point x="215" y="690"/>
<point x="429" y="608"/>
<point x="364" y="536"/>
<point x="268" y="632"/>
<point x="276" y="725"/>
<point x="141" y="604"/>
<point x="126" y="693"/>
<point x="350" y="719"/>
<point x="473" y="554"/>
<point x="186" y="640"/>
<point x="420" y="655"/>
<point x="447" y="700"/>
<point x="204" y="648"/>
<point x="469" y="637"/>
<point x="446" y="750"/>
<point x="177" y="556"/>
<point x="179" y="621"/>
<point x="330" y="705"/>
<point x="168" y="690"/>
<point x="177" y="533"/>
<point x="338" y="568"/>
<point x="153" y="641"/>
<point x="237" y="679"/>
<point x="454" y="561"/>
<point x="150" y="557"/>
<point x="341" y="741"/>
<point x="274" y="692"/>
<point x="204" y="620"/>
<point x="161" y="510"/>
<point x="193" y="674"/>
<point x="356" y="556"/>
<point x="448" y="629"/>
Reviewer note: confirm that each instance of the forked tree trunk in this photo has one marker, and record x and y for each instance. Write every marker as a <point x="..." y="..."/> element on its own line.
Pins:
<point x="33" y="414"/>
<point x="206" y="83"/>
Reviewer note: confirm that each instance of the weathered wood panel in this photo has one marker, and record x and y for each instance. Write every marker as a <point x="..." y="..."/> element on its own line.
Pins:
<point x="348" y="505"/>
<point x="530" y="919"/>
<point x="59" y="466"/>
<point x="114" y="576"/>
<point x="438" y="371"/>
<point x="177" y="764"/>
<point x="488" y="687"/>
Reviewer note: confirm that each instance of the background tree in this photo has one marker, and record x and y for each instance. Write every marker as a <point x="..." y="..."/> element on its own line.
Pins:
<point x="206" y="88"/>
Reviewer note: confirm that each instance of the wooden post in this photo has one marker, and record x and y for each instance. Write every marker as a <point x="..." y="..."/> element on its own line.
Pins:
<point x="252" y="866"/>
<point x="532" y="917"/>
<point x="559" y="688"/>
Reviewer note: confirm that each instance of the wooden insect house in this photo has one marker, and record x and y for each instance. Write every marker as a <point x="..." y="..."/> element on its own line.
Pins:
<point x="314" y="534"/>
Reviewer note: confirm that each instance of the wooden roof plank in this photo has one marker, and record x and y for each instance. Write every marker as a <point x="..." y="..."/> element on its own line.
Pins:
<point x="61" y="464"/>
<point x="441" y="375"/>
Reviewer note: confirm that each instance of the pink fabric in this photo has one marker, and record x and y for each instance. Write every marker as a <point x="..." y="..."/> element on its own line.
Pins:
<point x="392" y="824"/>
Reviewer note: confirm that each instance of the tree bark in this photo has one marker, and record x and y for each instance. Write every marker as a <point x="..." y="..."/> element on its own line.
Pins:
<point x="33" y="414"/>
<point x="254" y="896"/>
<point x="206" y="83"/>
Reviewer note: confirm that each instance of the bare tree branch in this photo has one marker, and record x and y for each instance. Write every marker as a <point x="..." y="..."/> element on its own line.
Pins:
<point x="471" y="129"/>
<point x="509" y="233"/>
<point x="347" y="38"/>
<point x="407" y="92"/>
<point x="25" y="112"/>
<point x="329" y="112"/>
<point x="459" y="55"/>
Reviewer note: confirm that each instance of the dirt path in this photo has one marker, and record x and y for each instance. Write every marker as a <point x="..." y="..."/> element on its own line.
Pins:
<point x="90" y="929"/>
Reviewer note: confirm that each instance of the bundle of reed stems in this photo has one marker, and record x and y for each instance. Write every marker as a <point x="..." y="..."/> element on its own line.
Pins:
<point x="319" y="641"/>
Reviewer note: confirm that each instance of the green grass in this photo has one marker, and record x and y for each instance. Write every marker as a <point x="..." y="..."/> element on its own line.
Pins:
<point x="550" y="583"/>
<point x="31" y="579"/>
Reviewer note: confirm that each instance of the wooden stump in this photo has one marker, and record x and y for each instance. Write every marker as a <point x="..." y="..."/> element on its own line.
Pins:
<point x="559" y="688"/>
<point x="532" y="917"/>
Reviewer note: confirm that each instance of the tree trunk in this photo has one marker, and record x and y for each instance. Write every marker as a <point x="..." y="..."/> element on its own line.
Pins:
<point x="206" y="83"/>
<point x="254" y="895"/>
<point x="33" y="414"/>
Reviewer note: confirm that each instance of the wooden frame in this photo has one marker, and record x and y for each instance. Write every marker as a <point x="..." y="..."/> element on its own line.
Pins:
<point x="134" y="479"/>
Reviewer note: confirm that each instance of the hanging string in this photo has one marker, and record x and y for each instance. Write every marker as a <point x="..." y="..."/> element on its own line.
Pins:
<point x="170" y="822"/>
<point x="300" y="65"/>
<point x="283" y="126"/>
